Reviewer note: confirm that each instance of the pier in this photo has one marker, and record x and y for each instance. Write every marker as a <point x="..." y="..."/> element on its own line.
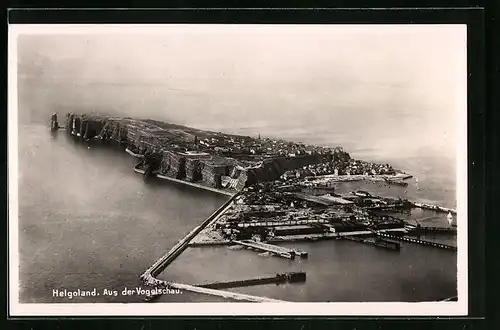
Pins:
<point x="277" y="250"/>
<point x="395" y="246"/>
<point x="206" y="244"/>
<point x="303" y="238"/>
<point x="433" y="207"/>
<point x="277" y="279"/>
<point x="328" y="235"/>
<point x="419" y="241"/>
<point x="417" y="230"/>
<point x="294" y="277"/>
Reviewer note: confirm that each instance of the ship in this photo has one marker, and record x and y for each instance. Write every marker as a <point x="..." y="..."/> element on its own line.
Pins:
<point x="396" y="182"/>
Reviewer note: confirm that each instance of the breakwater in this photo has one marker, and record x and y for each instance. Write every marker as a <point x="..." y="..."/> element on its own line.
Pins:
<point x="149" y="275"/>
<point x="434" y="207"/>
<point x="206" y="291"/>
<point x="223" y="294"/>
<point x="206" y="244"/>
<point x="277" y="279"/>
<point x="419" y="241"/>
<point x="273" y="249"/>
<point x="378" y="243"/>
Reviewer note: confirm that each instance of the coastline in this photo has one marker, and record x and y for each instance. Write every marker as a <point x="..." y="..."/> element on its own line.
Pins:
<point x="253" y="175"/>
<point x="187" y="183"/>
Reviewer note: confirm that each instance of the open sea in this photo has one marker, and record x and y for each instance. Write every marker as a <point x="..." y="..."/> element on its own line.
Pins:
<point x="86" y="221"/>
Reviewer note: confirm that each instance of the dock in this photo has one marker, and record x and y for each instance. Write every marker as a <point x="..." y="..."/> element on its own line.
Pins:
<point x="276" y="250"/>
<point x="418" y="241"/>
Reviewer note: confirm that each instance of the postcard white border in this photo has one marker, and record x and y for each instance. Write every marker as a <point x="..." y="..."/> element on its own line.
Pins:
<point x="458" y="308"/>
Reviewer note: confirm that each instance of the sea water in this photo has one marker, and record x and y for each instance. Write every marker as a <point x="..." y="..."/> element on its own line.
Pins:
<point x="87" y="221"/>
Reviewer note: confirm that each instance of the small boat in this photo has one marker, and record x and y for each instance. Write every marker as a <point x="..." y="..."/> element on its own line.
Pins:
<point x="362" y="193"/>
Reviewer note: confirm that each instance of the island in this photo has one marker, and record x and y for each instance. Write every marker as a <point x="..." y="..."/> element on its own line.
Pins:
<point x="279" y="191"/>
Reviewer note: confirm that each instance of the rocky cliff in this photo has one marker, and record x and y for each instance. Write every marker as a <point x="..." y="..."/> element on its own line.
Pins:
<point x="170" y="151"/>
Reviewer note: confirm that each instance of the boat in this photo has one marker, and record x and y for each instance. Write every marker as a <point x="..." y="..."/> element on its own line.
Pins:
<point x="396" y="182"/>
<point x="361" y="193"/>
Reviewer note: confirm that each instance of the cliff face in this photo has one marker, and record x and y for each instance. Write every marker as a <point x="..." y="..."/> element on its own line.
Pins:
<point x="173" y="165"/>
<point x="164" y="151"/>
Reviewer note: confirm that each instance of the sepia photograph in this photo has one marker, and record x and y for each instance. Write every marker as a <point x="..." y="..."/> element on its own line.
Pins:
<point x="206" y="169"/>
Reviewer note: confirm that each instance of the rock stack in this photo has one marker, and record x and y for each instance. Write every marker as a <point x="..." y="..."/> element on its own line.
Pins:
<point x="54" y="124"/>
